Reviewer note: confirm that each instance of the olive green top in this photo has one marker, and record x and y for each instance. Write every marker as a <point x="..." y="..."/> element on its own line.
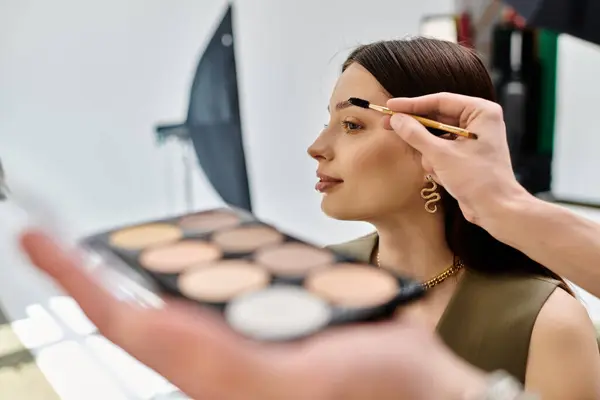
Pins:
<point x="489" y="319"/>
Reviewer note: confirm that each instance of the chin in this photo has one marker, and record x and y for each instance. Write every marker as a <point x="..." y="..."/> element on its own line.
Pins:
<point x="342" y="210"/>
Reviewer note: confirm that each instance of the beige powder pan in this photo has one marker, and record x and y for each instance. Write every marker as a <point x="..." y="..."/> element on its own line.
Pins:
<point x="219" y="282"/>
<point x="209" y="221"/>
<point x="246" y="239"/>
<point x="139" y="237"/>
<point x="175" y="257"/>
<point x="353" y="285"/>
<point x="293" y="259"/>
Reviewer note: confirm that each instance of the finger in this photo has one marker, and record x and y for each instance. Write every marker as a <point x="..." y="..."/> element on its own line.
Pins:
<point x="194" y="310"/>
<point x="386" y="122"/>
<point x="446" y="105"/>
<point x="197" y="353"/>
<point x="416" y="135"/>
<point x="94" y="300"/>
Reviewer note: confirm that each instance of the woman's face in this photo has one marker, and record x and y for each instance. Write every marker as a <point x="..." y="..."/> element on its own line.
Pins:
<point x="376" y="173"/>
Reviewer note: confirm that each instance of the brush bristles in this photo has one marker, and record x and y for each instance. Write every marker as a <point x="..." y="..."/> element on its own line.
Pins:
<point x="355" y="101"/>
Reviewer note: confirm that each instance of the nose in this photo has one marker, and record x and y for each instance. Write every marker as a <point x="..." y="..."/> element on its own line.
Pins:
<point x="320" y="150"/>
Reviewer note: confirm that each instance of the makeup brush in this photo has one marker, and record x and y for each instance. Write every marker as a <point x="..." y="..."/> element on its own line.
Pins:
<point x="435" y="127"/>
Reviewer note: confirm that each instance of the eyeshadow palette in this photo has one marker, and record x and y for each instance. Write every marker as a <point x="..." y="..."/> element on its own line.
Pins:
<point x="268" y="285"/>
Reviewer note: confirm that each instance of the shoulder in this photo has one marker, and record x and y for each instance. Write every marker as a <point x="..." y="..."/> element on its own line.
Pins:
<point x="564" y="361"/>
<point x="563" y="314"/>
<point x="563" y="317"/>
<point x="360" y="248"/>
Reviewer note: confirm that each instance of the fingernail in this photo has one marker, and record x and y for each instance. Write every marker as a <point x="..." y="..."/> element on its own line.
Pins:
<point x="397" y="120"/>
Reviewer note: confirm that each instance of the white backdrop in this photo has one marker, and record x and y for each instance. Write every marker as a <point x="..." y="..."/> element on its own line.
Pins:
<point x="82" y="85"/>
<point x="576" y="162"/>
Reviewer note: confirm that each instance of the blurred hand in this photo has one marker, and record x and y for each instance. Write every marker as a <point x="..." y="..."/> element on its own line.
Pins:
<point x="199" y="354"/>
<point x="477" y="173"/>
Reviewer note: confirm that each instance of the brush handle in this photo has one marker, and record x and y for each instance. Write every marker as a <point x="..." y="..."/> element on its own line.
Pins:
<point x="436" y="128"/>
<point x="428" y="123"/>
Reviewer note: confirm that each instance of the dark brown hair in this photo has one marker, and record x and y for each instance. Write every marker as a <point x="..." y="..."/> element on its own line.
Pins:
<point x="420" y="66"/>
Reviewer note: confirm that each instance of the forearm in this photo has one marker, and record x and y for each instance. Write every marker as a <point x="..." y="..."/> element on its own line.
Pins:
<point x="552" y="235"/>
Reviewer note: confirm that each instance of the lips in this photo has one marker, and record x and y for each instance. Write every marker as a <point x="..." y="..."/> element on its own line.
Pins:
<point x="325" y="186"/>
<point x="326" y="183"/>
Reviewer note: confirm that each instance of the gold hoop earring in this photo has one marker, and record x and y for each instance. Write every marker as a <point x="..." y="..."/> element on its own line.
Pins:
<point x="431" y="195"/>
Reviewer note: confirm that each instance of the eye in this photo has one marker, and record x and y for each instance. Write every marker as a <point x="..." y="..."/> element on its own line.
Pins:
<point x="350" y="126"/>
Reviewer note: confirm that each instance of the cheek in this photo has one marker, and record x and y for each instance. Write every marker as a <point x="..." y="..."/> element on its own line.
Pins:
<point x="382" y="175"/>
<point x="389" y="161"/>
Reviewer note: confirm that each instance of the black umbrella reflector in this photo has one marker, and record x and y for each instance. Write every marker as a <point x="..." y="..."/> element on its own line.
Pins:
<point x="213" y="122"/>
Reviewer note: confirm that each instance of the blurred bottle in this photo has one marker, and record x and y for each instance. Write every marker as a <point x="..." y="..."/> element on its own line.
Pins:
<point x="513" y="98"/>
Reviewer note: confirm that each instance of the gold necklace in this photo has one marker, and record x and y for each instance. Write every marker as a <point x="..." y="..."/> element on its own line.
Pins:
<point x="452" y="270"/>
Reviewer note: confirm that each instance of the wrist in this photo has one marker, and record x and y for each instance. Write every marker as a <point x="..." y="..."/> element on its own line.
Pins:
<point x="498" y="213"/>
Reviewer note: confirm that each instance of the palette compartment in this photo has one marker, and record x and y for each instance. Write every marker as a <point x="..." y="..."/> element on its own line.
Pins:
<point x="267" y="284"/>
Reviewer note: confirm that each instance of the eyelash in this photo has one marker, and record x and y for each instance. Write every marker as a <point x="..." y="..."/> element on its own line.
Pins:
<point x="349" y="126"/>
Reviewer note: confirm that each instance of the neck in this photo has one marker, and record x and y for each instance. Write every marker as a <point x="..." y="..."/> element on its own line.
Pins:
<point x="413" y="244"/>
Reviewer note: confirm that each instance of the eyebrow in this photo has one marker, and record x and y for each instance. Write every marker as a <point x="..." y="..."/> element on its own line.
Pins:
<point x="341" y="105"/>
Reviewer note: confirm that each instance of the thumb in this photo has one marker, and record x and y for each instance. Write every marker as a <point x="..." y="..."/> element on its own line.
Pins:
<point x="415" y="134"/>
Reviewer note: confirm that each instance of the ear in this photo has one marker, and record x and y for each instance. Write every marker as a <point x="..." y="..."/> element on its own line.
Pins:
<point x="431" y="177"/>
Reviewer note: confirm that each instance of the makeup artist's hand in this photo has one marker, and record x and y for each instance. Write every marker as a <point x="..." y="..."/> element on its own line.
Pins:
<point x="477" y="173"/>
<point x="197" y="353"/>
